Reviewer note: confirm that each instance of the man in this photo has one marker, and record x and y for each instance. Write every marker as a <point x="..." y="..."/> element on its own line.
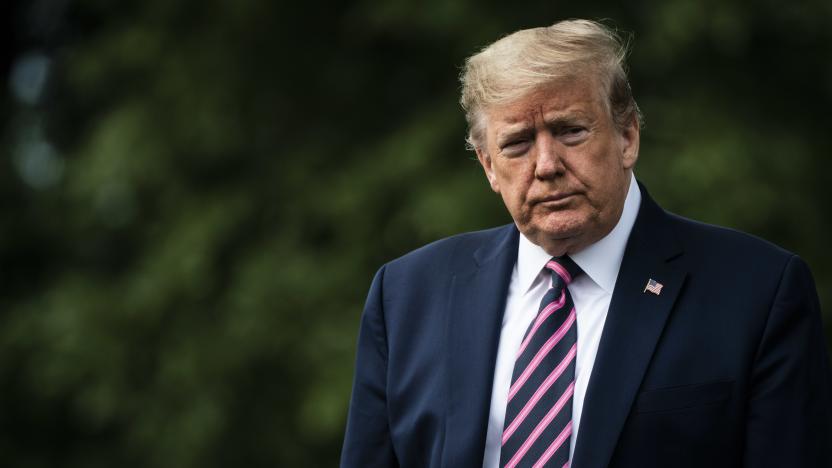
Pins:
<point x="597" y="329"/>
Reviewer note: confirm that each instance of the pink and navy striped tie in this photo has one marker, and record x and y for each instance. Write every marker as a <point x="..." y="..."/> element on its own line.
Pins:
<point x="538" y="423"/>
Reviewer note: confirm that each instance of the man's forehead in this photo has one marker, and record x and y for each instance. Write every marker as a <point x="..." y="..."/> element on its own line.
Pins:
<point x="572" y="99"/>
<point x="521" y="119"/>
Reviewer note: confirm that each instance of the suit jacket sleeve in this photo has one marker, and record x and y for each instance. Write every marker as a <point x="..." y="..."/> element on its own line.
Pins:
<point x="367" y="441"/>
<point x="790" y="406"/>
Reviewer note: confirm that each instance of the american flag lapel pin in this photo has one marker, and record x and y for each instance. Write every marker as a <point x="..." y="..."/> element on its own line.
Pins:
<point x="654" y="287"/>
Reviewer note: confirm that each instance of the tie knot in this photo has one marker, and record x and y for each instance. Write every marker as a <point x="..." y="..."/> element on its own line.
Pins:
<point x="563" y="269"/>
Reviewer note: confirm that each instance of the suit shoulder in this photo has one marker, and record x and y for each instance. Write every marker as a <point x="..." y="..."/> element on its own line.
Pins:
<point x="728" y="244"/>
<point x="447" y="251"/>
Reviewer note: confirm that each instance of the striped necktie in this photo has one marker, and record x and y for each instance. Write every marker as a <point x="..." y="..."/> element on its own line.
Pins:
<point x="538" y="422"/>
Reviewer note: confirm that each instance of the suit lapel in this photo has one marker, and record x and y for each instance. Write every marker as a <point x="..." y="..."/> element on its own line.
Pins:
<point x="635" y="321"/>
<point x="475" y="314"/>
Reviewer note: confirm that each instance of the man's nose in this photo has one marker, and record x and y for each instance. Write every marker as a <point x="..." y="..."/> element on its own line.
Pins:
<point x="549" y="162"/>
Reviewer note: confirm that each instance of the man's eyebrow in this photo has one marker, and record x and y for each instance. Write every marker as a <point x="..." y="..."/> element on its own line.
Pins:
<point x="513" y="131"/>
<point x="555" y="119"/>
<point x="564" y="118"/>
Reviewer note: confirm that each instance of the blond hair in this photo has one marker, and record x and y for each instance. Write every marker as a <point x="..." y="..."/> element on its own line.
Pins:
<point x="529" y="59"/>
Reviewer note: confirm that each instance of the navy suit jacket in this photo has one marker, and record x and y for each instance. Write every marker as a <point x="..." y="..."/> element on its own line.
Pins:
<point x="727" y="367"/>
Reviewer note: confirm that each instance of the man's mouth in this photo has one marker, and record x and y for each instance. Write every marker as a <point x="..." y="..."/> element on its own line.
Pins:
<point x="555" y="198"/>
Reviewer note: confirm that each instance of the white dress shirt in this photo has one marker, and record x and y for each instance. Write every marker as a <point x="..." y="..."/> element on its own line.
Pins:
<point x="591" y="292"/>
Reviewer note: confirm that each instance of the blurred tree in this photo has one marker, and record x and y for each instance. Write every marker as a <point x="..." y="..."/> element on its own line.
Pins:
<point x="197" y="194"/>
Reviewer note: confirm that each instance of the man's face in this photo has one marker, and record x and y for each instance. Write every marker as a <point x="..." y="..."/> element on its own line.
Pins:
<point x="560" y="163"/>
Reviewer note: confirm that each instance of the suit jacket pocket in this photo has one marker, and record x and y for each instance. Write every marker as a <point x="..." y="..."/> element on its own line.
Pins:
<point x="687" y="396"/>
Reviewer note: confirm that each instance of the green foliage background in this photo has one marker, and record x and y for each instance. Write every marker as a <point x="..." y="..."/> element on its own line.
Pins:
<point x="183" y="267"/>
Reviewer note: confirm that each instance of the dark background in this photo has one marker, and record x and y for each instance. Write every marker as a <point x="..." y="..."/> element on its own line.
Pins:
<point x="194" y="195"/>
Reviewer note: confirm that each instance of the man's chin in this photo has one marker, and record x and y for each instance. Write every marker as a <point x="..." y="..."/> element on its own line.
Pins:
<point x="557" y="228"/>
<point x="555" y="240"/>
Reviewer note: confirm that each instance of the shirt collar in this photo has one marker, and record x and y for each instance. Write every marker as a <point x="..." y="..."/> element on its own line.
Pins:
<point x="600" y="261"/>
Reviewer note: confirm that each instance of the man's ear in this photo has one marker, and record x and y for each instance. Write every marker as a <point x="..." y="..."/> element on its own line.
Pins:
<point x="485" y="161"/>
<point x="630" y="138"/>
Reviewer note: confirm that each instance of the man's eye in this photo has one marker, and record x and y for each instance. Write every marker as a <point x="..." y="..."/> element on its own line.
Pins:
<point x="574" y="134"/>
<point x="514" y="145"/>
